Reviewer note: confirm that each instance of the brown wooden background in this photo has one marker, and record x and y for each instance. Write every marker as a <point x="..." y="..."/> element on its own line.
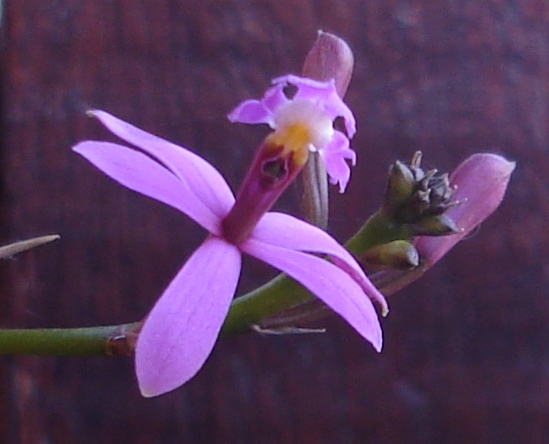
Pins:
<point x="466" y="355"/>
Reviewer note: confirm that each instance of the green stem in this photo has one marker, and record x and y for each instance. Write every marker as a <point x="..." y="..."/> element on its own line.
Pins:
<point x="61" y="341"/>
<point x="377" y="230"/>
<point x="280" y="294"/>
<point x="315" y="199"/>
<point x="275" y="296"/>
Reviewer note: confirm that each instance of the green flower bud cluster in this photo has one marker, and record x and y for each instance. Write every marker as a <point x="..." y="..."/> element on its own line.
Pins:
<point x="417" y="199"/>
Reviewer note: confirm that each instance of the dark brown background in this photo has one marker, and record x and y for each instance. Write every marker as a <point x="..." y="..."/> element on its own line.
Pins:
<point x="466" y="355"/>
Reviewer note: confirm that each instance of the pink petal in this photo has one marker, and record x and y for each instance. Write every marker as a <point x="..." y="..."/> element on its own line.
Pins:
<point x="140" y="173"/>
<point x="308" y="89"/>
<point x="283" y="230"/>
<point x="180" y="331"/>
<point x="325" y="93"/>
<point x="274" y="98"/>
<point x="481" y="181"/>
<point x="201" y="178"/>
<point x="260" y="111"/>
<point x="334" y="156"/>
<point x="331" y="284"/>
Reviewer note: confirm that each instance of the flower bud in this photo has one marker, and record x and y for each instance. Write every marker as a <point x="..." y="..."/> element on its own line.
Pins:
<point x="398" y="255"/>
<point x="434" y="226"/>
<point x="479" y="185"/>
<point x="480" y="181"/>
<point x="400" y="187"/>
<point x="417" y="199"/>
<point x="329" y="58"/>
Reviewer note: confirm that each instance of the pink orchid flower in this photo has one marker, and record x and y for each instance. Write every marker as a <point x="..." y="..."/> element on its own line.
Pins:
<point x="180" y="331"/>
<point x="317" y="102"/>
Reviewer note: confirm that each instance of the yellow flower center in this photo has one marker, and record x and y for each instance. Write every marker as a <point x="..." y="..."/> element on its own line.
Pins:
<point x="301" y="126"/>
<point x="295" y="139"/>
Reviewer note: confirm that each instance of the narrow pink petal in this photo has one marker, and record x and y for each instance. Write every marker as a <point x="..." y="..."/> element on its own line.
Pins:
<point x="335" y="156"/>
<point x="180" y="331"/>
<point x="252" y="112"/>
<point x="259" y="111"/>
<point x="328" y="282"/>
<point x="202" y="179"/>
<point x="283" y="230"/>
<point x="140" y="173"/>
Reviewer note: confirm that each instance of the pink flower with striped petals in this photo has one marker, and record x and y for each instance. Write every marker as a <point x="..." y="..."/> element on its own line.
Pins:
<point x="180" y="331"/>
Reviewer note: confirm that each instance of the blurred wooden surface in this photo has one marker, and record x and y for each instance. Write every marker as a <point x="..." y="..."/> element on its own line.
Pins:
<point x="466" y="355"/>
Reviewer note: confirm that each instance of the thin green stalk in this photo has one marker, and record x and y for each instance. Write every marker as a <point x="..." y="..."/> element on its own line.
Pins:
<point x="61" y="341"/>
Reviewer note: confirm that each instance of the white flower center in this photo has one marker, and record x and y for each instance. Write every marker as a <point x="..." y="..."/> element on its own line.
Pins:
<point x="304" y="124"/>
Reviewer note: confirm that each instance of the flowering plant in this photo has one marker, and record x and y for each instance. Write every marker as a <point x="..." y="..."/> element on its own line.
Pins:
<point x="424" y="214"/>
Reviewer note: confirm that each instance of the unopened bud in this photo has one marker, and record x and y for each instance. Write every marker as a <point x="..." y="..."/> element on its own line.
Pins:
<point x="434" y="226"/>
<point x="329" y="58"/>
<point x="417" y="199"/>
<point x="398" y="255"/>
<point x="400" y="187"/>
<point x="481" y="182"/>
